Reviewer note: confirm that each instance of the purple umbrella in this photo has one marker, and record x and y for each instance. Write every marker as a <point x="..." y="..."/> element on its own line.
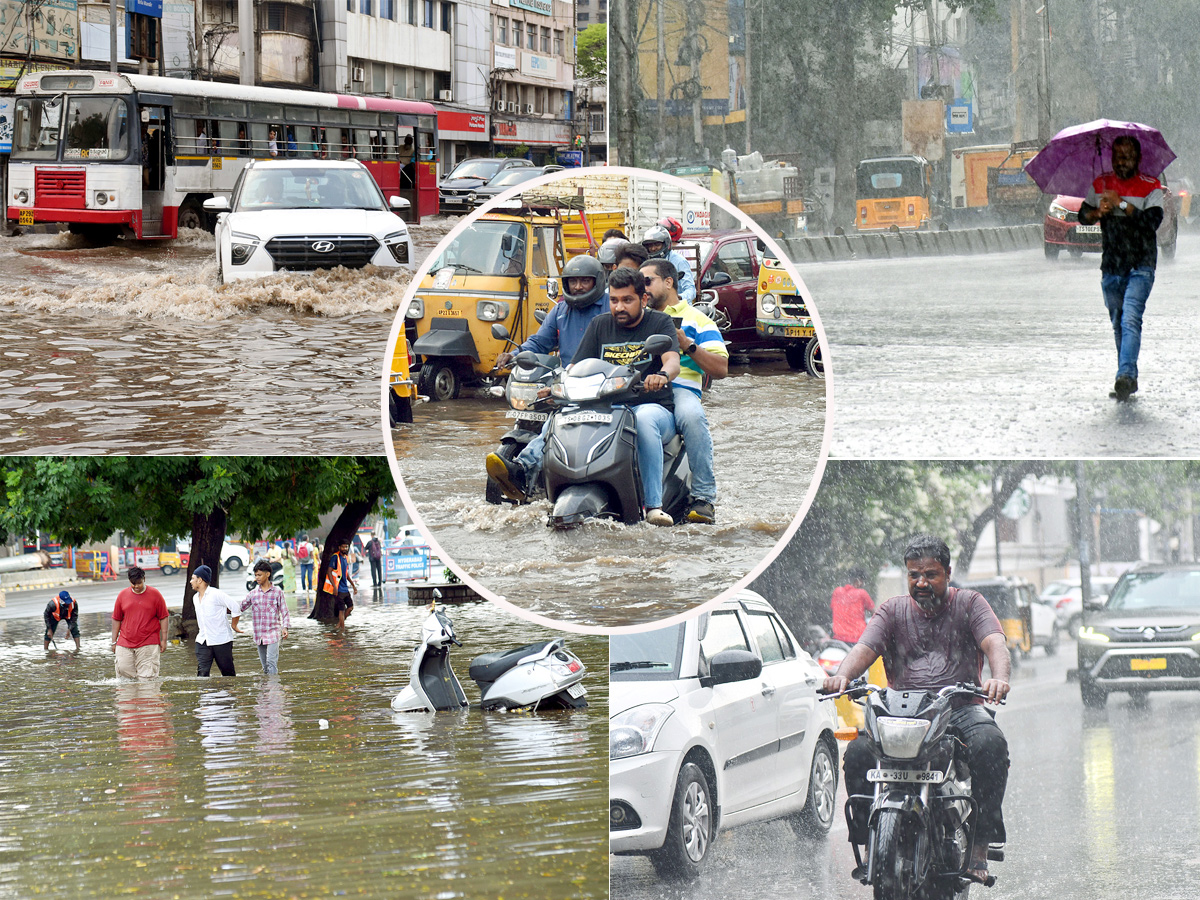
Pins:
<point x="1076" y="156"/>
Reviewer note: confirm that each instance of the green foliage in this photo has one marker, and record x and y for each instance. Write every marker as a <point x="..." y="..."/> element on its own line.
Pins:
<point x="591" y="52"/>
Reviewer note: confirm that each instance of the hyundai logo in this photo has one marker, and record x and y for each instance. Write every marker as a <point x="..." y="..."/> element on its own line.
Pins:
<point x="322" y="246"/>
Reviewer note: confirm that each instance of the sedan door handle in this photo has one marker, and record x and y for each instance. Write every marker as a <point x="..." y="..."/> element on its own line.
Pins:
<point x="811" y="680"/>
<point x="768" y="689"/>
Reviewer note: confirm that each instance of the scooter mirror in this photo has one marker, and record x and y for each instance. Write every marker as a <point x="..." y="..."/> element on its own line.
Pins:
<point x="657" y="344"/>
<point x="437" y="594"/>
<point x="499" y="331"/>
<point x="527" y="358"/>
<point x="552" y="289"/>
<point x="539" y="316"/>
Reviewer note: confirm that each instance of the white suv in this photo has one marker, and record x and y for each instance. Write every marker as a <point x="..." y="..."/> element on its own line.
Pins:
<point x="715" y="722"/>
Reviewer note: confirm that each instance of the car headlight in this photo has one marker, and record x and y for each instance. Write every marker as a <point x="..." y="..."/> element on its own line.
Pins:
<point x="21" y="196"/>
<point x="416" y="309"/>
<point x="901" y="738"/>
<point x="397" y="242"/>
<point x="491" y="310"/>
<point x="472" y="197"/>
<point x="634" y="731"/>
<point x="242" y="247"/>
<point x="768" y="303"/>
<point x="1058" y="211"/>
<point x="1088" y="633"/>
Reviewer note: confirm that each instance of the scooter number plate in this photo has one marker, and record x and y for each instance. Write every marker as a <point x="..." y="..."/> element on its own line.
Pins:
<point x="576" y="690"/>
<point x="574" y="418"/>
<point x="916" y="776"/>
<point x="526" y="416"/>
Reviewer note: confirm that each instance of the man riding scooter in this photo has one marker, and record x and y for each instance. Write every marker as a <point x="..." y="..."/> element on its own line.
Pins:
<point x="585" y="297"/>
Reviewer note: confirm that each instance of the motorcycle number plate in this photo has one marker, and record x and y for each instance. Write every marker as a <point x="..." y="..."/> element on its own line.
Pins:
<point x="576" y="690"/>
<point x="527" y="416"/>
<point x="573" y="418"/>
<point x="909" y="776"/>
<point x="1148" y="665"/>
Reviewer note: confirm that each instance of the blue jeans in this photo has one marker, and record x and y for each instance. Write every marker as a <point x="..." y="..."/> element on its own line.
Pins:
<point x="268" y="655"/>
<point x="531" y="456"/>
<point x="306" y="574"/>
<point x="691" y="422"/>
<point x="655" y="426"/>
<point x="1125" y="296"/>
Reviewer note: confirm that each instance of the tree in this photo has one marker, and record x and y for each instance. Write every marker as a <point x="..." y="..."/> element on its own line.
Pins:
<point x="591" y="52"/>
<point x="155" y="499"/>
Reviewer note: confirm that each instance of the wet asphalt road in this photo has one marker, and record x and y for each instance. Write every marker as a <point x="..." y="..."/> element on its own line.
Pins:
<point x="1101" y="804"/>
<point x="1004" y="355"/>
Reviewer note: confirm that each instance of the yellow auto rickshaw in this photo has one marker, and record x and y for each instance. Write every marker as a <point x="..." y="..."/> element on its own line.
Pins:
<point x="1011" y="600"/>
<point x="783" y="314"/>
<point x="402" y="390"/>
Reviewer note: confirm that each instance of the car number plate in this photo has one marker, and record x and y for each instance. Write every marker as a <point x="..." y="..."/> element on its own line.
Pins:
<point x="1087" y="229"/>
<point x="918" y="776"/>
<point x="25" y="217"/>
<point x="1147" y="665"/>
<point x="576" y="418"/>
<point x="454" y="199"/>
<point x="797" y="331"/>
<point x="527" y="416"/>
<point x="576" y="690"/>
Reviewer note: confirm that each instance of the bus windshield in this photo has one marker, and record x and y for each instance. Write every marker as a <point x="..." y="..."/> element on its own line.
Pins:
<point x="884" y="179"/>
<point x="35" y="134"/>
<point x="486" y="248"/>
<point x="97" y="128"/>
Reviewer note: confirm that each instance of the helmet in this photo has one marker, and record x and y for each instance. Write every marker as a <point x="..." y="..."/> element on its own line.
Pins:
<point x="674" y="228"/>
<point x="584" y="266"/>
<point x="607" y="254"/>
<point x="657" y="233"/>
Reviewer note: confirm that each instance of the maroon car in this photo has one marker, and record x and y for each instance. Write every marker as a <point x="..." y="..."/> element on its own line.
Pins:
<point x="1062" y="227"/>
<point x="728" y="264"/>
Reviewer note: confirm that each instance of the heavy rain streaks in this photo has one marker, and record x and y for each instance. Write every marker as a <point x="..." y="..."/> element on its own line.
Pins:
<point x="232" y="787"/>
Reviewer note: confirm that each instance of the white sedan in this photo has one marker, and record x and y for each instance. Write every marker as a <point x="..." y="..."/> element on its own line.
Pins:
<point x="302" y="215"/>
<point x="715" y="722"/>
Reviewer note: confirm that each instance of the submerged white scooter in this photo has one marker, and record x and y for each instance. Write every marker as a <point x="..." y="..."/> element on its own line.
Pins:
<point x="432" y="685"/>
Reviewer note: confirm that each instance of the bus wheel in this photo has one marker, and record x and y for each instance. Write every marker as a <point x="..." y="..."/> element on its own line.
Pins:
<point x="814" y="362"/>
<point x="97" y="235"/>
<point x="439" y="380"/>
<point x="795" y="355"/>
<point x="190" y="216"/>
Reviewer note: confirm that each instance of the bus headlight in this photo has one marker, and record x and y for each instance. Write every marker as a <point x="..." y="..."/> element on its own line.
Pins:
<point x="242" y="247"/>
<point x="491" y="310"/>
<point x="768" y="303"/>
<point x="21" y="197"/>
<point x="102" y="198"/>
<point x="416" y="309"/>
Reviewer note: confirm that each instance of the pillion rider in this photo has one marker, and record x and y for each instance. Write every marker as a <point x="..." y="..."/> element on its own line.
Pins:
<point x="932" y="637"/>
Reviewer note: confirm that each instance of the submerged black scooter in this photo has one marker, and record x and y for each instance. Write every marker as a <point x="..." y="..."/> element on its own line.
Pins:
<point x="591" y="465"/>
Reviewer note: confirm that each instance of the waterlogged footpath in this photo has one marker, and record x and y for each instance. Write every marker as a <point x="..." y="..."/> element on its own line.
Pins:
<point x="136" y="348"/>
<point x="198" y="788"/>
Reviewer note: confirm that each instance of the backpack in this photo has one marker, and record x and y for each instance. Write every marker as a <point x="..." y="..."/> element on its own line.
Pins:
<point x="302" y="551"/>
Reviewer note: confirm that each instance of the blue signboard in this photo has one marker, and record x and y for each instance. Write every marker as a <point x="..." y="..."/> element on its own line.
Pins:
<point x="406" y="565"/>
<point x="570" y="157"/>
<point x="959" y="117"/>
<point x="152" y="8"/>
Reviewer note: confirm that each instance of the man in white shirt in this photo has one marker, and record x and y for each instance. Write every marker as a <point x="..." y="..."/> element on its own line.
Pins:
<point x="214" y="640"/>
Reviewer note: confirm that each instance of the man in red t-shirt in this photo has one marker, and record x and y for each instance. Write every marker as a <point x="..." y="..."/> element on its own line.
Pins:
<point x="850" y="604"/>
<point x="139" y="628"/>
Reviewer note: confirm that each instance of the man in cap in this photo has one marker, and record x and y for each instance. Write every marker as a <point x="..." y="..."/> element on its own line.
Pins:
<point x="139" y="628"/>
<point x="214" y="640"/>
<point x="269" y="613"/>
<point x="61" y="608"/>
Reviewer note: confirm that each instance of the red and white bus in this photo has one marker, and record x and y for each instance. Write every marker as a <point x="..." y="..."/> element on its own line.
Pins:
<point x="139" y="154"/>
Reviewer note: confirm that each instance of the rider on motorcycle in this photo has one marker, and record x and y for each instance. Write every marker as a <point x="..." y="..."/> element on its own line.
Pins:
<point x="657" y="241"/>
<point x="932" y="637"/>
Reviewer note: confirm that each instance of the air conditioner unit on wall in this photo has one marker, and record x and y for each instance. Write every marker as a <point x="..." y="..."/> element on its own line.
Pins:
<point x="499" y="104"/>
<point x="357" y="74"/>
<point x="446" y="96"/>
<point x="529" y="109"/>
<point x="512" y="107"/>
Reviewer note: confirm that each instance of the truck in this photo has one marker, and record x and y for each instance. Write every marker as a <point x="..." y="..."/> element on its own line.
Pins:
<point x="768" y="191"/>
<point x="989" y="180"/>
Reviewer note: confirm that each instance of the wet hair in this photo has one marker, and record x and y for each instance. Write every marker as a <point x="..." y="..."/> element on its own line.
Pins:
<point x="623" y="278"/>
<point x="928" y="546"/>
<point x="262" y="566"/>
<point x="614" y="233"/>
<point x="858" y="573"/>
<point x="664" y="269"/>
<point x="136" y="574"/>
<point x="1132" y="141"/>
<point x="633" y="251"/>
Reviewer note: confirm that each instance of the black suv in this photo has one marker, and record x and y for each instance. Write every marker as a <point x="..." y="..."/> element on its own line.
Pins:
<point x="469" y="175"/>
<point x="1145" y="637"/>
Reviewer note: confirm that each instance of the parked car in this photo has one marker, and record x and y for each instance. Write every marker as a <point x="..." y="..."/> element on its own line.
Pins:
<point x="470" y="175"/>
<point x="1146" y="635"/>
<point x="1062" y="228"/>
<point x="715" y="722"/>
<point x="505" y="179"/>
<point x="728" y="263"/>
<point x="233" y="556"/>
<point x="300" y="215"/>
<point x="1028" y="620"/>
<point x="1067" y="599"/>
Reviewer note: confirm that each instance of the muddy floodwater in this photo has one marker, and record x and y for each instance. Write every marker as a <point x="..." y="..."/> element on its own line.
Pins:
<point x="767" y="423"/>
<point x="135" y="348"/>
<point x="230" y="787"/>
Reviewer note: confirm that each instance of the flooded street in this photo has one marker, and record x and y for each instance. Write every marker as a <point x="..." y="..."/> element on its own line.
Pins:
<point x="135" y="348"/>
<point x="231" y="787"/>
<point x="767" y="423"/>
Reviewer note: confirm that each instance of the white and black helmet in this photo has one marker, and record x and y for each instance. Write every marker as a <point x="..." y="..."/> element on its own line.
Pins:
<point x="657" y="233"/>
<point x="607" y="254"/>
<point x="584" y="266"/>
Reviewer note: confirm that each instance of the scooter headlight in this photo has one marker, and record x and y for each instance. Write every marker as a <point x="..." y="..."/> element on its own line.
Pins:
<point x="523" y="394"/>
<point x="581" y="387"/>
<point x="634" y="731"/>
<point x="614" y="383"/>
<point x="901" y="738"/>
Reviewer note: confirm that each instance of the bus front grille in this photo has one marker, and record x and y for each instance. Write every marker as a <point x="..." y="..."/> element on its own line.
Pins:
<point x="60" y="188"/>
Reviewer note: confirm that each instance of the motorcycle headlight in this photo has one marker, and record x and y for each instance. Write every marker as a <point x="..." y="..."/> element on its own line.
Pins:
<point x="242" y="247"/>
<point x="901" y="738"/>
<point x="634" y="731"/>
<point x="522" y="394"/>
<point x="416" y="309"/>
<point x="491" y="310"/>
<point x="1088" y="633"/>
<point x="1058" y="211"/>
<point x="768" y="303"/>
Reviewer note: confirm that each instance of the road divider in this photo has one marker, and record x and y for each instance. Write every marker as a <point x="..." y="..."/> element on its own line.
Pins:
<point x="962" y="242"/>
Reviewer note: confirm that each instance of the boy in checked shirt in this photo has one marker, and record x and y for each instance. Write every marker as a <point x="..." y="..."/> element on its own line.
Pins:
<point x="269" y="613"/>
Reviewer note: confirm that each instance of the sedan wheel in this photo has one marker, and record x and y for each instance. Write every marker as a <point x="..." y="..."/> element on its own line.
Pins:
<point x="817" y="816"/>
<point x="689" y="832"/>
<point x="233" y="564"/>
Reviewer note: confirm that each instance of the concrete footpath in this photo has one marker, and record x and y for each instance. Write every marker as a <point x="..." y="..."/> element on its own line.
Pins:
<point x="886" y="245"/>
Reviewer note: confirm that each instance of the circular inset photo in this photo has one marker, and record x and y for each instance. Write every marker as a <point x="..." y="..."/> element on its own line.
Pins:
<point x="606" y="397"/>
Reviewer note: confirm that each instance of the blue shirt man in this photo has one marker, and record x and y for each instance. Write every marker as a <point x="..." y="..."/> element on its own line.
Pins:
<point x="564" y="327"/>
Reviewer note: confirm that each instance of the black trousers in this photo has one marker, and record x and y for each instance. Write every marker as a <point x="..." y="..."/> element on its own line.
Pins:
<point x="222" y="653"/>
<point x="987" y="755"/>
<point x="376" y="572"/>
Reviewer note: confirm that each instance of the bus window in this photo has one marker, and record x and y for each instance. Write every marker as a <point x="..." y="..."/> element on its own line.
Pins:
<point x="37" y="125"/>
<point x="260" y="138"/>
<point x="97" y="128"/>
<point x="290" y="144"/>
<point x="191" y="137"/>
<point x="363" y="147"/>
<point x="425" y="146"/>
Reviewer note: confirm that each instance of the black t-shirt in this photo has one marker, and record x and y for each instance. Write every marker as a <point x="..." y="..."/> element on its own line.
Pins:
<point x="606" y="340"/>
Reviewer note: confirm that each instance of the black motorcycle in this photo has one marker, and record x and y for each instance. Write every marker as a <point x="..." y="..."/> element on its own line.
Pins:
<point x="921" y="817"/>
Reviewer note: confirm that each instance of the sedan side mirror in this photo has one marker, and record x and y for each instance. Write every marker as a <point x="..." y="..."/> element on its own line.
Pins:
<point x="734" y="665"/>
<point x="398" y="203"/>
<point x="716" y="279"/>
<point x="217" y="204"/>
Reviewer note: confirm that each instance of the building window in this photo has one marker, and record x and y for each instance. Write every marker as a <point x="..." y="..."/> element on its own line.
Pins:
<point x="349" y="5"/>
<point x="400" y="82"/>
<point x="558" y="43"/>
<point x="582" y="18"/>
<point x="364" y="7"/>
<point x="597" y="123"/>
<point x="427" y="21"/>
<point x="545" y="40"/>
<point x="387" y="9"/>
<point x="532" y="36"/>
<point x="411" y="7"/>
<point x="501" y="30"/>
<point x="378" y="78"/>
<point x="447" y="17"/>
<point x="441" y="82"/>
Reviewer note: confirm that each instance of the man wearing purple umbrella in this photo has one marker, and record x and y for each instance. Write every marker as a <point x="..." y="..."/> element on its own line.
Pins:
<point x="1129" y="208"/>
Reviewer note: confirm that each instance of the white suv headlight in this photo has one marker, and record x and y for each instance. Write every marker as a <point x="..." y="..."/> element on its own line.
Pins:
<point x="634" y="731"/>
